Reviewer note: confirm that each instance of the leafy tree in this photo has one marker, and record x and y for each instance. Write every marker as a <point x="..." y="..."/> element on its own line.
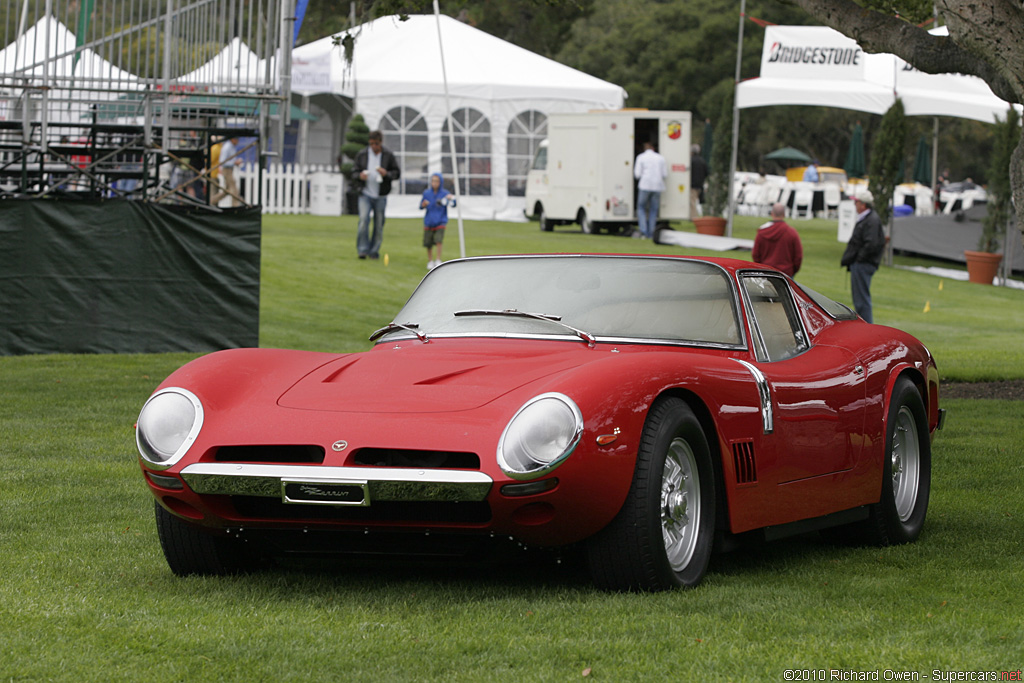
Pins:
<point x="356" y="138"/>
<point x="721" y="153"/>
<point x="886" y="155"/>
<point x="1000" y="208"/>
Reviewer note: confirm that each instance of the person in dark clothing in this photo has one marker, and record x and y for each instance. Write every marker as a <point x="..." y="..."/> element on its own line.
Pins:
<point x="374" y="169"/>
<point x="863" y="253"/>
<point x="698" y="174"/>
<point x="777" y="243"/>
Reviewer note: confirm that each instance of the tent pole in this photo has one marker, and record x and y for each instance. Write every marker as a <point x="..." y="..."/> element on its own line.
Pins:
<point x="735" y="121"/>
<point x="451" y="135"/>
<point x="935" y="162"/>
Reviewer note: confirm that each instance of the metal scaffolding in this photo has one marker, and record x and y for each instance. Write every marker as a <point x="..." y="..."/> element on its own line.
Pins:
<point x="128" y="98"/>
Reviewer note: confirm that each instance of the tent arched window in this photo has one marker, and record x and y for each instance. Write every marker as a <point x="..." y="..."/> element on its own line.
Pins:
<point x="405" y="134"/>
<point x="472" y="149"/>
<point x="524" y="135"/>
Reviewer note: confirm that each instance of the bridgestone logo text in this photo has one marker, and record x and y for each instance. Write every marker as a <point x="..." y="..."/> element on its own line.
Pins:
<point x="834" y="56"/>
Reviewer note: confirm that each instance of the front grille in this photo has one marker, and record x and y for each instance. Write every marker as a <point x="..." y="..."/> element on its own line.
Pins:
<point x="313" y="455"/>
<point x="257" y="507"/>
<point x="393" y="457"/>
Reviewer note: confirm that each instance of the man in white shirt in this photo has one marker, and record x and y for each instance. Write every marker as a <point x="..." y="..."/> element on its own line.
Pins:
<point x="374" y="169"/>
<point x="650" y="170"/>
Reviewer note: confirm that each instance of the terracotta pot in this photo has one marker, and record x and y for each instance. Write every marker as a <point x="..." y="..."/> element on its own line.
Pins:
<point x="710" y="225"/>
<point x="982" y="266"/>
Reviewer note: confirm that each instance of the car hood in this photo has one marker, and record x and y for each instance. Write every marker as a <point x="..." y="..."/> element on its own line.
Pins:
<point x="428" y="378"/>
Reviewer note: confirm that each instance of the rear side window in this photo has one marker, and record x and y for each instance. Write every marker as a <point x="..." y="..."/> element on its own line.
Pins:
<point x="780" y="334"/>
<point x="833" y="308"/>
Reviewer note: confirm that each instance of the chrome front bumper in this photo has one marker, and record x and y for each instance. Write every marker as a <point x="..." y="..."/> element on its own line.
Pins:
<point x="308" y="485"/>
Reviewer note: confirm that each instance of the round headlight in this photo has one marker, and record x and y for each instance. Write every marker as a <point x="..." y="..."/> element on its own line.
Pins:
<point x="540" y="436"/>
<point x="168" y="424"/>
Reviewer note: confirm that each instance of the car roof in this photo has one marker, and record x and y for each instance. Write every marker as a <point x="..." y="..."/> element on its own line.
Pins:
<point x="728" y="264"/>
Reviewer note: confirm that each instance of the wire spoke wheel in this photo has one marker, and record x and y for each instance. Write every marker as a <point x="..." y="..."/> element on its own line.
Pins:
<point x="905" y="459"/>
<point x="663" y="535"/>
<point x="680" y="504"/>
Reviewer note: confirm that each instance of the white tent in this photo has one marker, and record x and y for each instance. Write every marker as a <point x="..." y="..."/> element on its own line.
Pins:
<point x="236" y="67"/>
<point x="501" y="95"/>
<point x="815" y="66"/>
<point x="818" y="66"/>
<point x="49" y="46"/>
<point x="44" y="57"/>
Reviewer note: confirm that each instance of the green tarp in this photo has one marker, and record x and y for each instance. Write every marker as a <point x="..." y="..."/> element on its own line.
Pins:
<point x="116" y="276"/>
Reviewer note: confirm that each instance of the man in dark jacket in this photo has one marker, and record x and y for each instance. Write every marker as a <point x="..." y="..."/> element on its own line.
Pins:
<point x="863" y="253"/>
<point x="777" y="244"/>
<point x="375" y="167"/>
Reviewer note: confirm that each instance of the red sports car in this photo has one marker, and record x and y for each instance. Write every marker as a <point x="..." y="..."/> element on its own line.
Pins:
<point x="645" y="408"/>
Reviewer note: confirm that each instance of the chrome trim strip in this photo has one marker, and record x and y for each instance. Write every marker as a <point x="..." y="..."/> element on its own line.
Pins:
<point x="764" y="393"/>
<point x="382" y="483"/>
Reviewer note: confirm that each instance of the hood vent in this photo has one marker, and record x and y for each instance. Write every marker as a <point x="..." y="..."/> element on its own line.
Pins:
<point x="744" y="462"/>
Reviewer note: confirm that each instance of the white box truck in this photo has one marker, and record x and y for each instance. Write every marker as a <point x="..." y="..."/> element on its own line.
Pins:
<point x="583" y="172"/>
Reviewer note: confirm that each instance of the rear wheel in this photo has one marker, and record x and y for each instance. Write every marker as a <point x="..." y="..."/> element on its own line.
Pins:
<point x="898" y="516"/>
<point x="190" y="550"/>
<point x="586" y="225"/>
<point x="662" y="536"/>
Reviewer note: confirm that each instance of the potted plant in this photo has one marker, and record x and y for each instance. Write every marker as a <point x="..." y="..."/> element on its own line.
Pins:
<point x="713" y="222"/>
<point x="983" y="264"/>
<point x="357" y="137"/>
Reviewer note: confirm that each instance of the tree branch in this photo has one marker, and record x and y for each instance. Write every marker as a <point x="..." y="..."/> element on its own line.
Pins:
<point x="878" y="32"/>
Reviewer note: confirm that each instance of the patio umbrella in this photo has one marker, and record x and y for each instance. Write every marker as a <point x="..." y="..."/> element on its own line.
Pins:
<point x="788" y="154"/>
<point x="923" y="163"/>
<point x="855" y="165"/>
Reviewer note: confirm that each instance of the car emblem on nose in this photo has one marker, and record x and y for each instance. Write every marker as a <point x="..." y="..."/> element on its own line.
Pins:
<point x="339" y="445"/>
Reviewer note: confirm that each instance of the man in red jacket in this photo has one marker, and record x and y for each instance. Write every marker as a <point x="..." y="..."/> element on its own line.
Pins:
<point x="777" y="244"/>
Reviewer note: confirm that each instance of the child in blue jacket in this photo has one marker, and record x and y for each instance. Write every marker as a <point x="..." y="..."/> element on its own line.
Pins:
<point x="436" y="201"/>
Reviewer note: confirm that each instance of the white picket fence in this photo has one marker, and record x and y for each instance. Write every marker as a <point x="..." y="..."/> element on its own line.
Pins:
<point x="285" y="187"/>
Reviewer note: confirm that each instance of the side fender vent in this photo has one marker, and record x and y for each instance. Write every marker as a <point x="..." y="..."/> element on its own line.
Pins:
<point x="744" y="462"/>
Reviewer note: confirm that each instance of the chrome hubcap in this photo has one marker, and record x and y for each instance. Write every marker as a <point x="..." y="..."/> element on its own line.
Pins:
<point x="680" y="504"/>
<point x="905" y="460"/>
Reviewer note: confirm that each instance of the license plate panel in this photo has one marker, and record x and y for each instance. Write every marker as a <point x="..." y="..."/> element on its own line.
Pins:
<point x="325" y="492"/>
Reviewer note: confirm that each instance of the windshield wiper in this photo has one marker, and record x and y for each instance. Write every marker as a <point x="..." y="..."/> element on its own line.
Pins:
<point x="391" y="327"/>
<point x="513" y="313"/>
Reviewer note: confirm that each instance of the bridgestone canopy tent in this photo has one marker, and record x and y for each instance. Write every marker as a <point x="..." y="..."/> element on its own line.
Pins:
<point x="818" y="66"/>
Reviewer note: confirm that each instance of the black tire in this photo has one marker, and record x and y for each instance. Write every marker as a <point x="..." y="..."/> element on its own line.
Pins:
<point x="190" y="550"/>
<point x="587" y="226"/>
<point x="545" y="224"/>
<point x="899" y="514"/>
<point x="662" y="537"/>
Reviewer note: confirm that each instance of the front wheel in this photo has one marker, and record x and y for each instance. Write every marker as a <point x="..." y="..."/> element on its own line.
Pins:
<point x="190" y="550"/>
<point x="662" y="536"/>
<point x="546" y="225"/>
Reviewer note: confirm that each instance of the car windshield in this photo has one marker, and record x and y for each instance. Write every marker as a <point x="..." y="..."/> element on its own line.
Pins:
<point x="608" y="297"/>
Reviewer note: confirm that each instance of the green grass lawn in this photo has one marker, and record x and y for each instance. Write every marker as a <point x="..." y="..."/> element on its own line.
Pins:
<point x="85" y="594"/>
